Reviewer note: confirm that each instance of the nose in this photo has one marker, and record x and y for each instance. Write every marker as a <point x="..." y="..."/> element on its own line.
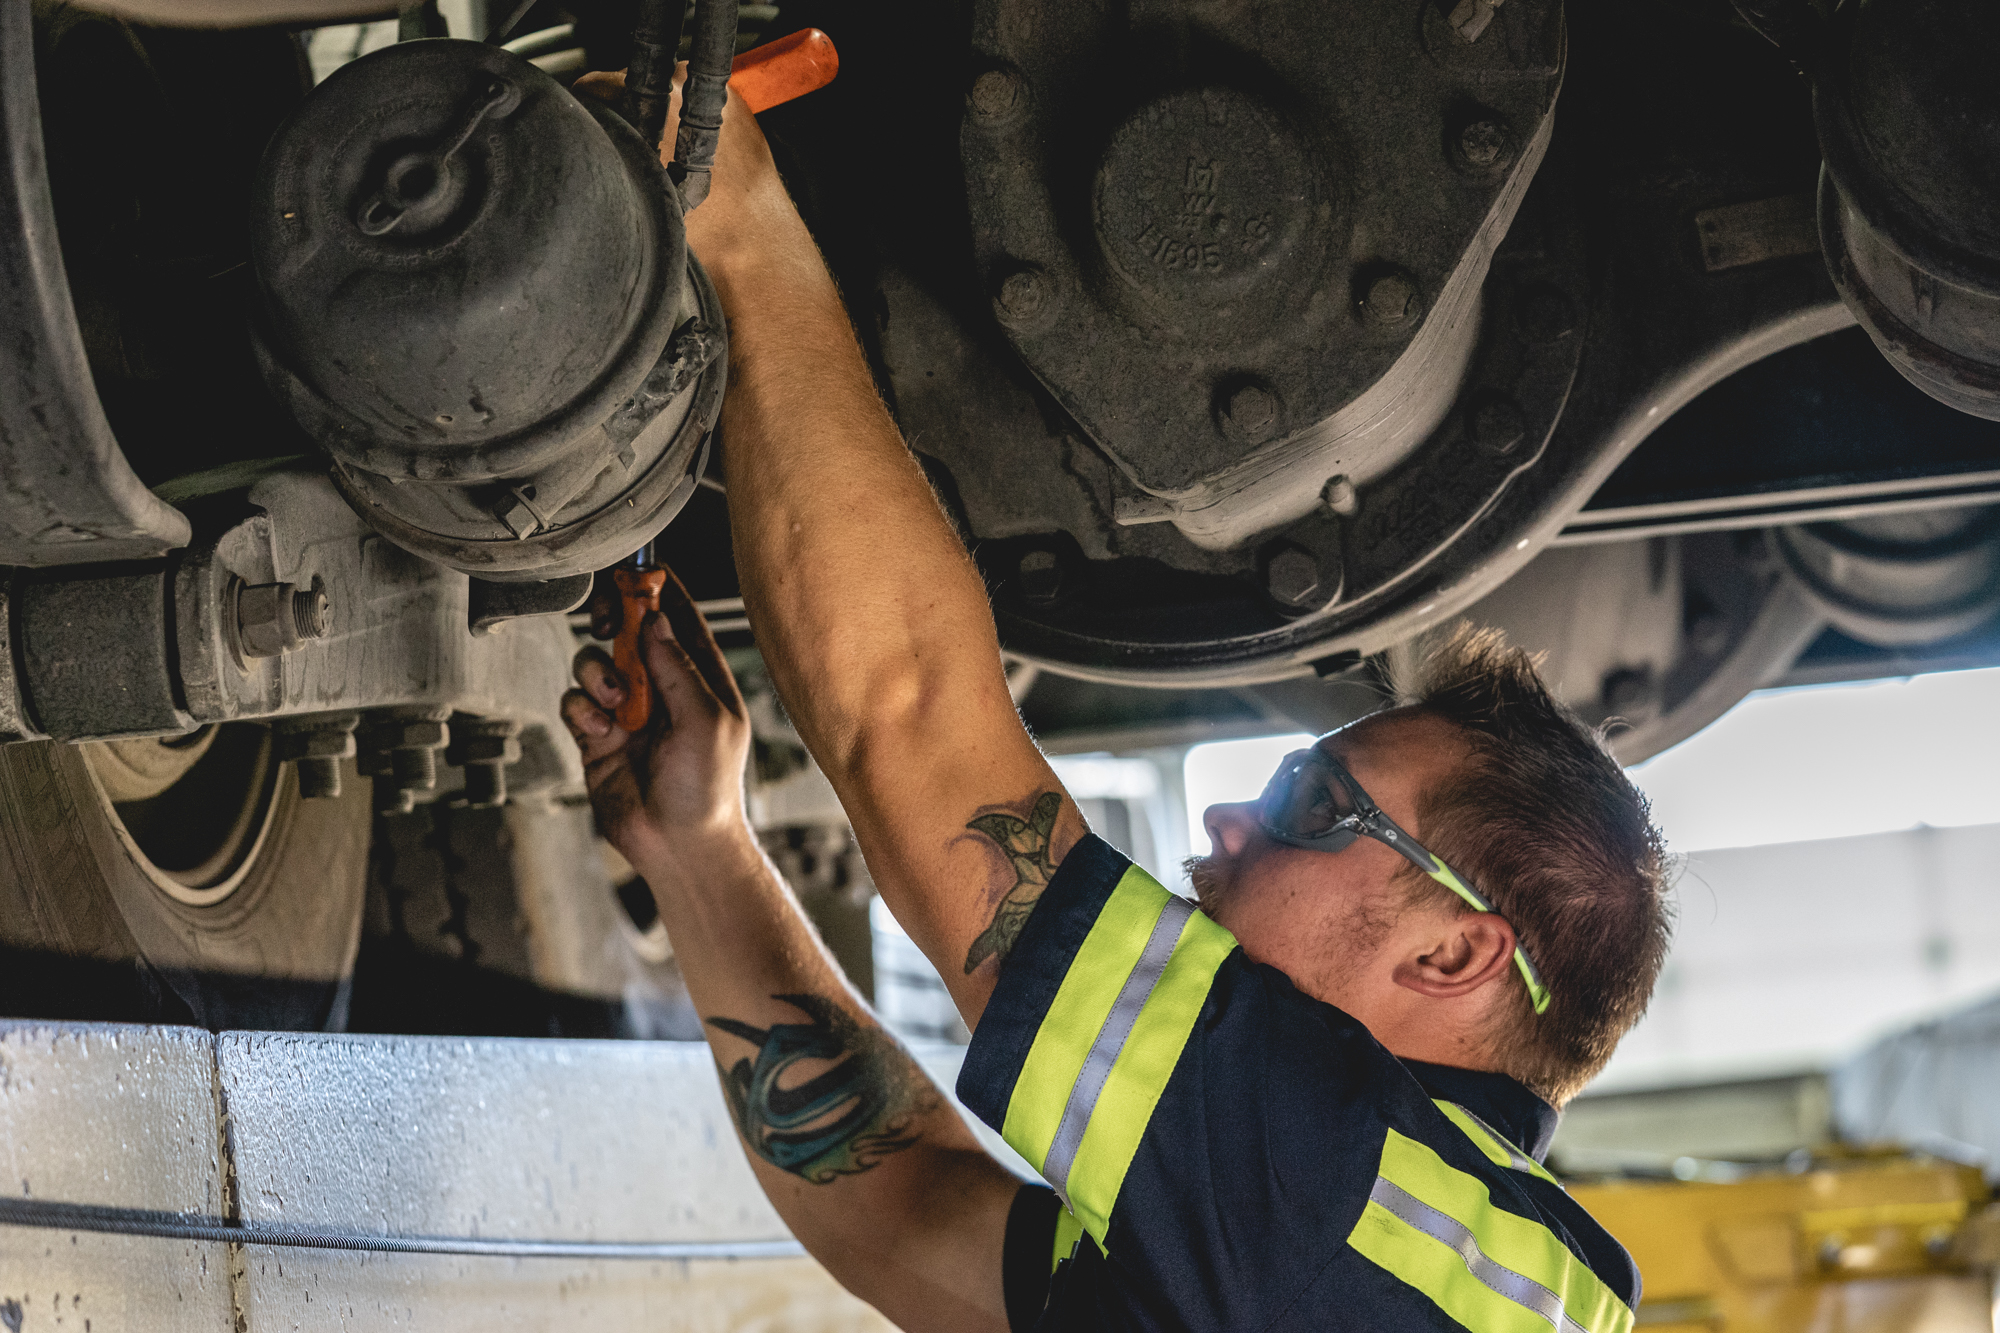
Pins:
<point x="1230" y="825"/>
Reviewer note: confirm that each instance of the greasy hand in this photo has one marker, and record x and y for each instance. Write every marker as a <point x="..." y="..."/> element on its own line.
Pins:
<point x="679" y="782"/>
<point x="746" y="197"/>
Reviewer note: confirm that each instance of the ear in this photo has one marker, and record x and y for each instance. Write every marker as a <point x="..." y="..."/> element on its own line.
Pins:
<point x="1466" y="952"/>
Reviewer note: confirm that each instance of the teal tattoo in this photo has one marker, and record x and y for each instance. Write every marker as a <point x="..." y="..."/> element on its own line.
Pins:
<point x="1026" y="844"/>
<point x="838" y="1122"/>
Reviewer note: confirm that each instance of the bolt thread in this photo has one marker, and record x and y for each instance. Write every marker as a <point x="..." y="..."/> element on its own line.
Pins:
<point x="485" y="785"/>
<point x="414" y="770"/>
<point x="319" y="778"/>
<point x="310" y="613"/>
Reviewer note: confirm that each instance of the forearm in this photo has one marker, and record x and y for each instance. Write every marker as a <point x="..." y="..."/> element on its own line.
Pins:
<point x="871" y="616"/>
<point x="867" y="607"/>
<point x="877" y="1174"/>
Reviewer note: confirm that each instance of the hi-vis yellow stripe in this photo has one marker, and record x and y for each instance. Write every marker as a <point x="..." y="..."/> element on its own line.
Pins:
<point x="1144" y="1061"/>
<point x="1497" y="1150"/>
<point x="1485" y="1267"/>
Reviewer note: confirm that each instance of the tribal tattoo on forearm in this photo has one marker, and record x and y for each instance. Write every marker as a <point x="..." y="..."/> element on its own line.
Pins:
<point x="1026" y="844"/>
<point x="841" y="1121"/>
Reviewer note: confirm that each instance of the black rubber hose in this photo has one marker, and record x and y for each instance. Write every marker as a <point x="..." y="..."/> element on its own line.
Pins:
<point x="703" y="97"/>
<point x="649" y="80"/>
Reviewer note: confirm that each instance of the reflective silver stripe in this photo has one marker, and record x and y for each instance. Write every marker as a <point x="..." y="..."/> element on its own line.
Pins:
<point x="1517" y="1159"/>
<point x="1110" y="1040"/>
<point x="1522" y="1290"/>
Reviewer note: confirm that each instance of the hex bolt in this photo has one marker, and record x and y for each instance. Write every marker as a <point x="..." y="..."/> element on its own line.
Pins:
<point x="1021" y="297"/>
<point x="415" y="768"/>
<point x="1498" y="424"/>
<point x="1249" y="411"/>
<point x="276" y="618"/>
<point x="403" y="744"/>
<point x="1340" y="496"/>
<point x="483" y="747"/>
<point x="1291" y="576"/>
<point x="1390" y="299"/>
<point x="1485" y="145"/>
<point x="316" y="745"/>
<point x="1040" y="577"/>
<point x="995" y="92"/>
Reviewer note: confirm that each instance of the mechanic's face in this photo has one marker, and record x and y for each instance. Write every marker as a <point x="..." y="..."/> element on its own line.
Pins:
<point x="1327" y="920"/>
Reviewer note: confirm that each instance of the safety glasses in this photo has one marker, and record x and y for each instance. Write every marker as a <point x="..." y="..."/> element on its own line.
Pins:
<point x="1313" y="802"/>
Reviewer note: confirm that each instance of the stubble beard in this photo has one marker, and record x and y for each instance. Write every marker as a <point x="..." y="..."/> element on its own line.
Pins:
<point x="1210" y="884"/>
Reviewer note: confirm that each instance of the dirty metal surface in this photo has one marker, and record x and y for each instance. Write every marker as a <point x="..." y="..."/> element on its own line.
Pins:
<point x="521" y="1139"/>
<point x="116" y="1115"/>
<point x="70" y="495"/>
<point x="399" y="631"/>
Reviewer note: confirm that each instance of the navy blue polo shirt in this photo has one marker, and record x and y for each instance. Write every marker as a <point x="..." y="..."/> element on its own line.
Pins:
<point x="1225" y="1152"/>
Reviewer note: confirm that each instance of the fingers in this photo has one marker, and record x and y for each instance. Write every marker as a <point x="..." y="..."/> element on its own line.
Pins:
<point x="690" y="630"/>
<point x="601" y="681"/>
<point x="595" y="731"/>
<point x="675" y="675"/>
<point x="607" y="767"/>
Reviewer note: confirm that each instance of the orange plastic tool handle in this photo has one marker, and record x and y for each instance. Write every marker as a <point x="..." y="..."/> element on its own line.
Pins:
<point x="789" y="67"/>
<point x="640" y="589"/>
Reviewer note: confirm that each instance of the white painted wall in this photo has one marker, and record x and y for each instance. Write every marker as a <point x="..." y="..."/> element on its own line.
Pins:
<point x="1792" y="956"/>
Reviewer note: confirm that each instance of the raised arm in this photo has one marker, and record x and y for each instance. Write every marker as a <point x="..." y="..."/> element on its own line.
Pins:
<point x="870" y="1166"/>
<point x="871" y="616"/>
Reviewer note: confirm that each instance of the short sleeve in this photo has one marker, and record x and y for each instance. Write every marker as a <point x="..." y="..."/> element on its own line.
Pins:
<point x="1094" y="1006"/>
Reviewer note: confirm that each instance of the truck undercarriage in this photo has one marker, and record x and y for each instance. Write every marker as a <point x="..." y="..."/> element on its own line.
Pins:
<point x="1246" y="346"/>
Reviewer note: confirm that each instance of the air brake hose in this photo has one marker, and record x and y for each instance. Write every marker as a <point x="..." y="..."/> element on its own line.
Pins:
<point x="649" y="80"/>
<point x="702" y="99"/>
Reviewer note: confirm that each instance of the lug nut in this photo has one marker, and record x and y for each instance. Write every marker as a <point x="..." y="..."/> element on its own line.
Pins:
<point x="484" y="746"/>
<point x="316" y="745"/>
<point x="995" y="92"/>
<point x="1390" y="299"/>
<point x="275" y="618"/>
<point x="402" y="745"/>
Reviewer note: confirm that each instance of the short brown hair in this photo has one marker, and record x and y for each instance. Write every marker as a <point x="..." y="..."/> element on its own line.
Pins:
<point x="1550" y="829"/>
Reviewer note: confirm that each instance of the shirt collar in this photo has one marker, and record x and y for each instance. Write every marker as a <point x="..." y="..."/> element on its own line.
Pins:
<point x="1526" y="1120"/>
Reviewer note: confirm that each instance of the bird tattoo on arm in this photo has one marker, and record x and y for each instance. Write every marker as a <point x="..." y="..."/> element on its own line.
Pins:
<point x="1026" y="845"/>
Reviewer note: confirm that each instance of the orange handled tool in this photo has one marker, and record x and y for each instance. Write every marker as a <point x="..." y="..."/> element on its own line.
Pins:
<point x="789" y="67"/>
<point x="639" y="589"/>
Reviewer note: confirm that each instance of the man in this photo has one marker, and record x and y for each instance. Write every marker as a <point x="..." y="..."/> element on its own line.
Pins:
<point x="1319" y="1101"/>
